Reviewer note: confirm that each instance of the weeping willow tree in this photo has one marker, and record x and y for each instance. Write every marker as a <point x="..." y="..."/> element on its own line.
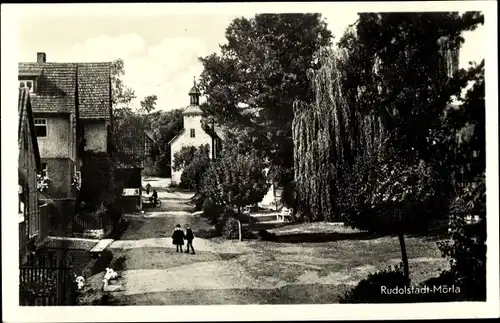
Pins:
<point x="369" y="91"/>
<point x="329" y="135"/>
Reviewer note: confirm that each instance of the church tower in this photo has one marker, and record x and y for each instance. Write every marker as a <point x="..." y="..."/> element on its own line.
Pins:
<point x="192" y="114"/>
<point x="193" y="134"/>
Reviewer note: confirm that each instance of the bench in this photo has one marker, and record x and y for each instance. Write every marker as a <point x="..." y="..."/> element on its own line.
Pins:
<point x="284" y="214"/>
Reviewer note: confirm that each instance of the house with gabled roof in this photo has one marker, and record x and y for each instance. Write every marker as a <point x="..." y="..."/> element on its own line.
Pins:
<point x="194" y="133"/>
<point x="71" y="104"/>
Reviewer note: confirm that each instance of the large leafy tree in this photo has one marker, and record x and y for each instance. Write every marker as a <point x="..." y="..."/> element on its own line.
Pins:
<point x="121" y="94"/>
<point x="165" y="125"/>
<point x="235" y="179"/>
<point x="404" y="67"/>
<point x="128" y="127"/>
<point x="148" y="104"/>
<point x="263" y="68"/>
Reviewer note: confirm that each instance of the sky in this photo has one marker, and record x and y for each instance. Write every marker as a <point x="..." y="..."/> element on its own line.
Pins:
<point x="160" y="49"/>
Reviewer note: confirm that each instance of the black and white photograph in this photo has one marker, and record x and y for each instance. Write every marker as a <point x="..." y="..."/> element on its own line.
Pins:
<point x="256" y="154"/>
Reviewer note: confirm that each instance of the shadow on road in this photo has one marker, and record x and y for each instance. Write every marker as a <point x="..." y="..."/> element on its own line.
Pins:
<point x="318" y="237"/>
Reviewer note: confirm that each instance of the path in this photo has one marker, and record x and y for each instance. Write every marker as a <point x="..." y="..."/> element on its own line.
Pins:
<point x="247" y="272"/>
<point x="150" y="263"/>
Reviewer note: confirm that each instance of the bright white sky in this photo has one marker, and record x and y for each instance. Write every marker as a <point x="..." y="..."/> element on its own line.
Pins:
<point x="160" y="50"/>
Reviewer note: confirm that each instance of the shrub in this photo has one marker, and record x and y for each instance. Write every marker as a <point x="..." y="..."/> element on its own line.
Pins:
<point x="230" y="229"/>
<point x="211" y="210"/>
<point x="370" y="289"/>
<point x="206" y="234"/>
<point x="467" y="246"/>
<point x="193" y="161"/>
<point x="444" y="280"/>
<point x="198" y="201"/>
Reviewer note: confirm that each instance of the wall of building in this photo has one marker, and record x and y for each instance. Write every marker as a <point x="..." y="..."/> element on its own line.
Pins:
<point x="60" y="172"/>
<point x="201" y="138"/>
<point x="30" y="227"/>
<point x="57" y="143"/>
<point x="96" y="136"/>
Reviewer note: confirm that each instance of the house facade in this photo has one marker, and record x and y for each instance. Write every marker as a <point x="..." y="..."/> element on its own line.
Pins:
<point x="193" y="133"/>
<point x="71" y="105"/>
<point x="32" y="214"/>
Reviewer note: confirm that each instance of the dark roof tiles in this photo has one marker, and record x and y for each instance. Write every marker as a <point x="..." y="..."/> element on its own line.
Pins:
<point x="94" y="91"/>
<point x="57" y="84"/>
<point x="51" y="104"/>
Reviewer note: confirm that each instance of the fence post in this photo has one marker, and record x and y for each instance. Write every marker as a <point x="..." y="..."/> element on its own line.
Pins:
<point x="60" y="282"/>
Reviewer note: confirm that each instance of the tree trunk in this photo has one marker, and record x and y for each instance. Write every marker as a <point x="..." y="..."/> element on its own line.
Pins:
<point x="404" y="256"/>
<point x="239" y="209"/>
<point x="239" y="230"/>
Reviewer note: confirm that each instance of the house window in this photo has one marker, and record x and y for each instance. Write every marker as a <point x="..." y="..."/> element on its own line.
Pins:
<point x="41" y="127"/>
<point x="192" y="133"/>
<point x="27" y="83"/>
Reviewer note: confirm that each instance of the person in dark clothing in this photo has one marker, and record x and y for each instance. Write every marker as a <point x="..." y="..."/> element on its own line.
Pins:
<point x="189" y="238"/>
<point x="148" y="188"/>
<point x="154" y="197"/>
<point x="178" y="237"/>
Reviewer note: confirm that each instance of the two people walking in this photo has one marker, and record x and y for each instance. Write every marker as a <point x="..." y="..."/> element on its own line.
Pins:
<point x="179" y="236"/>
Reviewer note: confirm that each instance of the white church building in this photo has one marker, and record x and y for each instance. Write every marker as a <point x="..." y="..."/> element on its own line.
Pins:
<point x="193" y="133"/>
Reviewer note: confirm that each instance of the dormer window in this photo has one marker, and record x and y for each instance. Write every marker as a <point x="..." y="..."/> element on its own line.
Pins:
<point x="30" y="84"/>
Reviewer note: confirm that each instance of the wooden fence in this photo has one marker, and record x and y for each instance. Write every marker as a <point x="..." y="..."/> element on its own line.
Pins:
<point x="35" y="228"/>
<point x="43" y="222"/>
<point x="88" y="221"/>
<point x="46" y="281"/>
<point x="23" y="238"/>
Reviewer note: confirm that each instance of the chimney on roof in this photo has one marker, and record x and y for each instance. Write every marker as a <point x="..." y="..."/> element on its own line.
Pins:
<point x="41" y="58"/>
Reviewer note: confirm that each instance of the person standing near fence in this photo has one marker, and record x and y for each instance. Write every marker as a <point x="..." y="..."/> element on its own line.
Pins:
<point x="148" y="188"/>
<point x="189" y="237"/>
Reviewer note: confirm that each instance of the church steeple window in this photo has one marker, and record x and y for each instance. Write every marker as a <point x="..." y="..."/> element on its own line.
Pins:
<point x="194" y="94"/>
